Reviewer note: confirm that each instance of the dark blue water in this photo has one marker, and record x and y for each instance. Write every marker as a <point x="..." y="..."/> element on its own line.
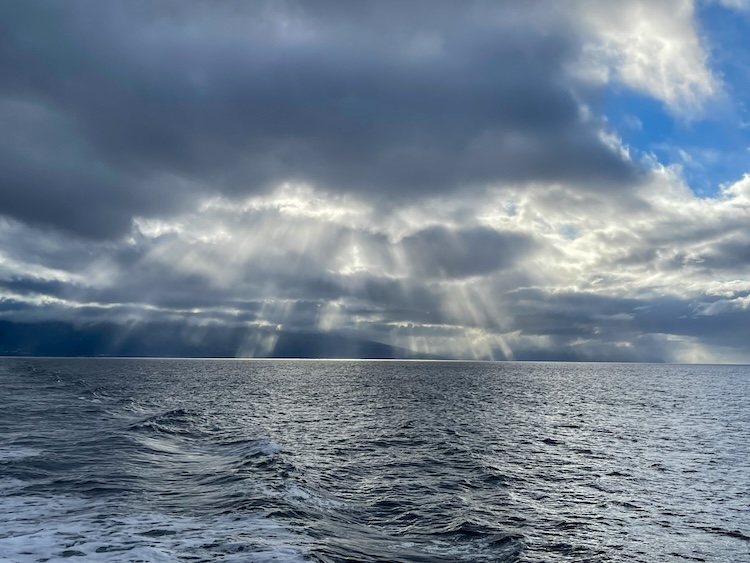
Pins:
<point x="255" y="461"/>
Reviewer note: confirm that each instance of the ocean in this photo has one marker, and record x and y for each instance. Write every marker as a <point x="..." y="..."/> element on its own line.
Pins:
<point x="149" y="460"/>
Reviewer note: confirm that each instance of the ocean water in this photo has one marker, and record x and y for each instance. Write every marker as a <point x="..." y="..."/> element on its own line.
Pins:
<point x="330" y="461"/>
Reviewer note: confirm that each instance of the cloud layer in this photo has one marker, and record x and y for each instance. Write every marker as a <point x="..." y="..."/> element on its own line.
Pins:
<point x="137" y="109"/>
<point x="438" y="176"/>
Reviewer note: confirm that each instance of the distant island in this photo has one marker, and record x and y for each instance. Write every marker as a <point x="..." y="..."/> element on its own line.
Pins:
<point x="174" y="340"/>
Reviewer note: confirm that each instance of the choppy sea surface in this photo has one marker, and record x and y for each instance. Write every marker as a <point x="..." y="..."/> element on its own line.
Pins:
<point x="128" y="460"/>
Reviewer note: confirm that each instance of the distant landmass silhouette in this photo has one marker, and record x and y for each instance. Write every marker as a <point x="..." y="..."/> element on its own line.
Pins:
<point x="174" y="340"/>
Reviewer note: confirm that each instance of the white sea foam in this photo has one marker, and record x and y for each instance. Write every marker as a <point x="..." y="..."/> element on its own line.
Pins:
<point x="56" y="528"/>
<point x="296" y="492"/>
<point x="10" y="453"/>
<point x="268" y="448"/>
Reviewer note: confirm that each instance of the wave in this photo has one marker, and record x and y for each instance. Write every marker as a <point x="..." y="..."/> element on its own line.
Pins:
<point x="53" y="527"/>
<point x="179" y="422"/>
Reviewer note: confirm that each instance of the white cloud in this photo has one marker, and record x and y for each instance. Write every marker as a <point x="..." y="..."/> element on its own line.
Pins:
<point x="650" y="46"/>
<point x="735" y="4"/>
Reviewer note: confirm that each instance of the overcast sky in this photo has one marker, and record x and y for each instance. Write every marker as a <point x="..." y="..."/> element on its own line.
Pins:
<point x="490" y="180"/>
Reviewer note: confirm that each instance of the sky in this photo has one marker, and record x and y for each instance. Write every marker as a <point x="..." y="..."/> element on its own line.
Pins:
<point x="468" y="179"/>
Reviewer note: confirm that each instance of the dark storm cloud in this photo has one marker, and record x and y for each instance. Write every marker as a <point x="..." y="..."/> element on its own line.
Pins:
<point x="35" y="286"/>
<point x="442" y="253"/>
<point x="606" y="320"/>
<point x="729" y="327"/>
<point x="728" y="255"/>
<point x="573" y="315"/>
<point x="642" y="348"/>
<point x="157" y="103"/>
<point x="388" y="300"/>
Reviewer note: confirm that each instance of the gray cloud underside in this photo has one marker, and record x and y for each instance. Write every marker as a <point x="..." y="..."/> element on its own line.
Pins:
<point x="437" y="281"/>
<point x="619" y="319"/>
<point x="301" y="290"/>
<point x="424" y="260"/>
<point x="576" y="326"/>
<point x="113" y="110"/>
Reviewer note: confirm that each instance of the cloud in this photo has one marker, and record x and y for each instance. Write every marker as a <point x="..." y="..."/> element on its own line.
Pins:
<point x="549" y="275"/>
<point x="437" y="176"/>
<point x="735" y="4"/>
<point x="153" y="104"/>
<point x="651" y="46"/>
<point x="438" y="252"/>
